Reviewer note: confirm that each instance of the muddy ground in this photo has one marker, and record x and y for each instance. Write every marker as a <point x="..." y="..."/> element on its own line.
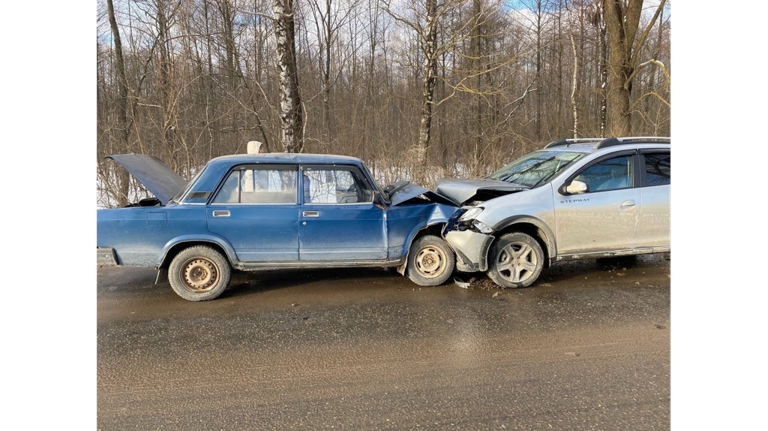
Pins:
<point x="588" y="348"/>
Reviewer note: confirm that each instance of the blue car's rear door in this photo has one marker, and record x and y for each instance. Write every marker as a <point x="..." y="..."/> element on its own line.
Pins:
<point x="338" y="220"/>
<point x="257" y="211"/>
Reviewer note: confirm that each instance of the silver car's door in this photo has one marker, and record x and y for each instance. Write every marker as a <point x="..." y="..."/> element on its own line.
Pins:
<point x="605" y="217"/>
<point x="653" y="225"/>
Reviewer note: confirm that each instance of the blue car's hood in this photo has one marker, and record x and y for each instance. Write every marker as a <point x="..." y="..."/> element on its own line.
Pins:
<point x="405" y="191"/>
<point x="158" y="178"/>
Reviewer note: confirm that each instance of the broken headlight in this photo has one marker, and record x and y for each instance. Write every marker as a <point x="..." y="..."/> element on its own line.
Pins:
<point x="482" y="227"/>
<point x="468" y="221"/>
<point x="471" y="214"/>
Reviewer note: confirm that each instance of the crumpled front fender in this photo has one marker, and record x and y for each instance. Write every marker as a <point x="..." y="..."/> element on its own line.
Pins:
<point x="439" y="215"/>
<point x="471" y="249"/>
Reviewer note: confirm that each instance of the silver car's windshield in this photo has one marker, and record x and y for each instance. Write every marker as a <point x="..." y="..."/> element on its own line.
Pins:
<point x="536" y="168"/>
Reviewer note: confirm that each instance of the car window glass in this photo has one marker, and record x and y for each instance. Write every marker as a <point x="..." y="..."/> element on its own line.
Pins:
<point x="535" y="168"/>
<point x="259" y="186"/>
<point x="334" y="186"/>
<point x="609" y="174"/>
<point x="658" y="169"/>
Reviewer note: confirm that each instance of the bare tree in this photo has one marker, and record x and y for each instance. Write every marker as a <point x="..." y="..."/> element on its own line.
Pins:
<point x="122" y="111"/>
<point x="328" y="18"/>
<point x="419" y="89"/>
<point x="622" y="20"/>
<point x="426" y="30"/>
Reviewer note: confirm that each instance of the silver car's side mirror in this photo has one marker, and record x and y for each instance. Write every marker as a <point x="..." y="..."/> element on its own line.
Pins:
<point x="576" y="187"/>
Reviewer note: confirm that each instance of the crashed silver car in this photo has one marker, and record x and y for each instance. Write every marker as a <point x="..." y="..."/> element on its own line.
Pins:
<point x="573" y="199"/>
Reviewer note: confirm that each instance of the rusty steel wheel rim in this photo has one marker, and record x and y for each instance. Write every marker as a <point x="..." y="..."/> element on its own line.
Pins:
<point x="200" y="274"/>
<point x="430" y="262"/>
<point x="517" y="262"/>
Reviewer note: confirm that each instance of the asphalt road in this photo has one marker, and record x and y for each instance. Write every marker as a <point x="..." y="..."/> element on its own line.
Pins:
<point x="588" y="348"/>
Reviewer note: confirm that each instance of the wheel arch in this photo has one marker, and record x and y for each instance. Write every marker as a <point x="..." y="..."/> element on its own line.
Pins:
<point x="533" y="227"/>
<point x="435" y="228"/>
<point x="176" y="245"/>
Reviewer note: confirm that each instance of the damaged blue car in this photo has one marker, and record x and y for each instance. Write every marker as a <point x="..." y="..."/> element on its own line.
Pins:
<point x="268" y="211"/>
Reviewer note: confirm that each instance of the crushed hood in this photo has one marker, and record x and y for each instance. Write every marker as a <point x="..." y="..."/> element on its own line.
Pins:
<point x="155" y="175"/>
<point x="461" y="191"/>
<point x="405" y="191"/>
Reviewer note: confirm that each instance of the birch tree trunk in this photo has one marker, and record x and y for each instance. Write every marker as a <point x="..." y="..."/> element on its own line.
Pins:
<point x="291" y="118"/>
<point x="428" y="82"/>
<point x="575" y="81"/>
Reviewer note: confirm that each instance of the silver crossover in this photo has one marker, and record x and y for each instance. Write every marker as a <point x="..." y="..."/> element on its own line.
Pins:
<point x="573" y="199"/>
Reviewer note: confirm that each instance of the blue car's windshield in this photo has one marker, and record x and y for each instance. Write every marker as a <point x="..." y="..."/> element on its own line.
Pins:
<point x="536" y="168"/>
<point x="180" y="194"/>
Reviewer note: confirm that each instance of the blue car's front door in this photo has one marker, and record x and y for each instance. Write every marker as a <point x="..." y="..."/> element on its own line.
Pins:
<point x="257" y="211"/>
<point x="338" y="220"/>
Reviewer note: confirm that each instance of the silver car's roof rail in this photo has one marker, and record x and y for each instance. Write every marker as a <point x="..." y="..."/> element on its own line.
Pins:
<point x="566" y="142"/>
<point x="610" y="142"/>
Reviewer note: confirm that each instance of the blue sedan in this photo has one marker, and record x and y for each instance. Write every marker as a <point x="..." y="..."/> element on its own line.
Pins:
<point x="268" y="211"/>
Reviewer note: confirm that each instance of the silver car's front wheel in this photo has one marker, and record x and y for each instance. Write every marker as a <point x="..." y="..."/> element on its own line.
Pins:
<point x="516" y="260"/>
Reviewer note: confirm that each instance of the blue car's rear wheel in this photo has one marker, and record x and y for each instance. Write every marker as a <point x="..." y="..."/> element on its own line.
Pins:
<point x="199" y="273"/>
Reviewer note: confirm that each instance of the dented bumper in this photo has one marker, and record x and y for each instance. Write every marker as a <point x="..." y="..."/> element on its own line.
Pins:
<point x="471" y="249"/>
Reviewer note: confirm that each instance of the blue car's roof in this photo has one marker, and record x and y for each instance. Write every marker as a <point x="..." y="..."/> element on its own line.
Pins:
<point x="291" y="158"/>
<point x="216" y="168"/>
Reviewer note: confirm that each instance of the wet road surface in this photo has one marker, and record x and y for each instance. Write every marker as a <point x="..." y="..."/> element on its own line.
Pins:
<point x="588" y="348"/>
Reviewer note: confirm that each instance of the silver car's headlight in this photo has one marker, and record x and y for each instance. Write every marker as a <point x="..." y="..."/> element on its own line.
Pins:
<point x="471" y="214"/>
<point x="482" y="227"/>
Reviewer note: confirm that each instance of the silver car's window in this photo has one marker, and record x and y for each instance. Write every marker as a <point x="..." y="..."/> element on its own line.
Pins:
<point x="258" y="186"/>
<point x="658" y="169"/>
<point x="334" y="186"/>
<point x="536" y="168"/>
<point x="611" y="174"/>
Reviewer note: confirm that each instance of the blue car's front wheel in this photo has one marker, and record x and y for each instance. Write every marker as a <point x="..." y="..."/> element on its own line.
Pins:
<point x="430" y="261"/>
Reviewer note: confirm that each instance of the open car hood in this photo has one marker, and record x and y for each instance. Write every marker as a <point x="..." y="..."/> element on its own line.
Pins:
<point x="157" y="177"/>
<point x="410" y="191"/>
<point x="467" y="190"/>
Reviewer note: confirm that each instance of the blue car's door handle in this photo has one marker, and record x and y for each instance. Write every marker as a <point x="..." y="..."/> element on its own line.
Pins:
<point x="310" y="213"/>
<point x="221" y="213"/>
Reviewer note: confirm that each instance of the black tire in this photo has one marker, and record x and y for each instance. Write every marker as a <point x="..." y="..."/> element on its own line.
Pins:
<point x="430" y="261"/>
<point x="504" y="266"/>
<point x="199" y="273"/>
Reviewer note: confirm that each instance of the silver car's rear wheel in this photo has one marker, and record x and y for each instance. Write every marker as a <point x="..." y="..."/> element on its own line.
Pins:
<point x="516" y="260"/>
